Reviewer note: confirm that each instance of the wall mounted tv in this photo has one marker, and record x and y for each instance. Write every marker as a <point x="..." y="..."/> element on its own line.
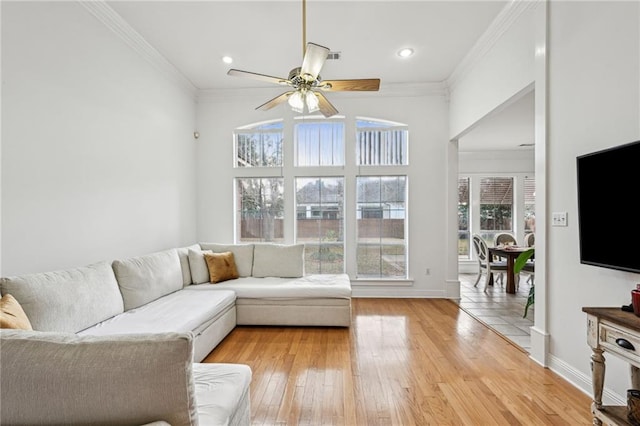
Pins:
<point x="608" y="188"/>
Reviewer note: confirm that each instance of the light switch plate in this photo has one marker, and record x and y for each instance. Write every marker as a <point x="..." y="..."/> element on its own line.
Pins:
<point x="559" y="219"/>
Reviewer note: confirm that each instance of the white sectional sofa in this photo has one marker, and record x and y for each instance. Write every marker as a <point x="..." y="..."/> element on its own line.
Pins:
<point x="168" y="293"/>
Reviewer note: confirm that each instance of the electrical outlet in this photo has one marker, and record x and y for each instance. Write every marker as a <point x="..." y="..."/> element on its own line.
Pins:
<point x="559" y="219"/>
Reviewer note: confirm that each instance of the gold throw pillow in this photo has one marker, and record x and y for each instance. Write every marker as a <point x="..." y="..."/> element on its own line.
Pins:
<point x="222" y="266"/>
<point x="12" y="315"/>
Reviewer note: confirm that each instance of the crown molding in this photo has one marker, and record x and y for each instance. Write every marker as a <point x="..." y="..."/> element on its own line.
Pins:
<point x="386" y="90"/>
<point x="113" y="21"/>
<point x="500" y="25"/>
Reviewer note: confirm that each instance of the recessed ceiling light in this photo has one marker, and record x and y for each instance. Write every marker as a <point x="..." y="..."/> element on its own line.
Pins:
<point x="227" y="59"/>
<point x="405" y="53"/>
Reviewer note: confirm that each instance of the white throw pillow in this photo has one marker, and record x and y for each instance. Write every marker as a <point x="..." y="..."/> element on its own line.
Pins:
<point x="198" y="266"/>
<point x="183" y="254"/>
<point x="276" y="260"/>
<point x="242" y="254"/>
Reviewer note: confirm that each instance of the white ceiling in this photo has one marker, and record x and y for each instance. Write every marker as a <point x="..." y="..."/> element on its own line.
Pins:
<point x="266" y="37"/>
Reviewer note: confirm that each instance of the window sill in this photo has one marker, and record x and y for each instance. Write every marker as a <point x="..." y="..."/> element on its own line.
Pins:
<point x="405" y="282"/>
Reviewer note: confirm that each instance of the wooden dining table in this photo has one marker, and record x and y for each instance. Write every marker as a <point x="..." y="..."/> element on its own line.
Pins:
<point x="510" y="253"/>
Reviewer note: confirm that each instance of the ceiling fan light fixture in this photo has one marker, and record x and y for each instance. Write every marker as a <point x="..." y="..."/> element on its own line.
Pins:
<point x="296" y="102"/>
<point x="312" y="102"/>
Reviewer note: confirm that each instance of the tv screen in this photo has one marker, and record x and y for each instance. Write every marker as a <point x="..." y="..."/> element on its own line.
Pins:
<point x="609" y="224"/>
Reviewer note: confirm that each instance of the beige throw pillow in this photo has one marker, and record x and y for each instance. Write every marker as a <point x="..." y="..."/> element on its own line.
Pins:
<point x="12" y="315"/>
<point x="222" y="266"/>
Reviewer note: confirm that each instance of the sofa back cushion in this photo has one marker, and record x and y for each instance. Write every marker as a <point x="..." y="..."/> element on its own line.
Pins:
<point x="277" y="260"/>
<point x="69" y="300"/>
<point x="183" y="254"/>
<point x="242" y="254"/>
<point x="54" y="378"/>
<point x="146" y="278"/>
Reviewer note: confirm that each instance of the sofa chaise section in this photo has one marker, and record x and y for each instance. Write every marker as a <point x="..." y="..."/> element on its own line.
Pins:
<point x="277" y="291"/>
<point x="312" y="300"/>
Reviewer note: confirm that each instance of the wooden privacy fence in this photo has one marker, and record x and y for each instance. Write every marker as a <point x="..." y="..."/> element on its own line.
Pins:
<point x="330" y="228"/>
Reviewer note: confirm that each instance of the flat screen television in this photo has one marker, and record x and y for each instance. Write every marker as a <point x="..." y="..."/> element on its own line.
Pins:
<point x="608" y="219"/>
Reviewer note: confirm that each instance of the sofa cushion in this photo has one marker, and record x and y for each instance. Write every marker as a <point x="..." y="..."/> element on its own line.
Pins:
<point x="12" y="315"/>
<point x="68" y="300"/>
<point x="183" y="254"/>
<point x="318" y="286"/>
<point x="242" y="253"/>
<point x="199" y="268"/>
<point x="181" y="311"/>
<point x="146" y="278"/>
<point x="222" y="266"/>
<point x="222" y="392"/>
<point x="124" y="380"/>
<point x="278" y="260"/>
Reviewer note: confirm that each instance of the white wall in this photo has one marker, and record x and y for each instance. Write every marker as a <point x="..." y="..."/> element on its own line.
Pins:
<point x="98" y="155"/>
<point x="426" y="116"/>
<point x="495" y="77"/>
<point x="513" y="161"/>
<point x="594" y="103"/>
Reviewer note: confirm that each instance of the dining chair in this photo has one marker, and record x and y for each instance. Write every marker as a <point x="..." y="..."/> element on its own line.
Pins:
<point x="504" y="238"/>
<point x="486" y="265"/>
<point x="530" y="239"/>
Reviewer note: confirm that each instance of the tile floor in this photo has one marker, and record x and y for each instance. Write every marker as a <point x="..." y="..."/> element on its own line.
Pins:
<point x="497" y="309"/>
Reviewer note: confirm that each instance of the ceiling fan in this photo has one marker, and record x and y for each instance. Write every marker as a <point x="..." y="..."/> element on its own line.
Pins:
<point x="305" y="81"/>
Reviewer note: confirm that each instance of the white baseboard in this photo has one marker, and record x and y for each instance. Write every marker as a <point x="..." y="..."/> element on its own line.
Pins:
<point x="583" y="381"/>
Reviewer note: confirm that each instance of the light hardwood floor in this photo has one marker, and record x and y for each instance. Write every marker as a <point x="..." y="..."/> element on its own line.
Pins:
<point x="402" y="362"/>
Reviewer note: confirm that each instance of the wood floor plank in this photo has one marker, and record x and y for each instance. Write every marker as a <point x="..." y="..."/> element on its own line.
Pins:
<point x="402" y="362"/>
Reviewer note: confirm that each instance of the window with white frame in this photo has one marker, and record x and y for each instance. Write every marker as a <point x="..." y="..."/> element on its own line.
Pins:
<point x="529" y="205"/>
<point x="259" y="145"/>
<point x="381" y="143"/>
<point x="320" y="223"/>
<point x="496" y="206"/>
<point x="381" y="213"/>
<point x="320" y="206"/>
<point x="464" y="237"/>
<point x="259" y="209"/>
<point x="319" y="143"/>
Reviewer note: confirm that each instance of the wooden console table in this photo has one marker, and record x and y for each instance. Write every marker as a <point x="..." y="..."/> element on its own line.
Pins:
<point x="616" y="332"/>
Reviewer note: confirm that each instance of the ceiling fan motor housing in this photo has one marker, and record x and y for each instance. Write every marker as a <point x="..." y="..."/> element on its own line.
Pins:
<point x="299" y="82"/>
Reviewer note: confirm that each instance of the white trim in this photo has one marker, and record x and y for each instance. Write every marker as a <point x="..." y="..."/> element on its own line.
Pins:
<point x="583" y="381"/>
<point x="507" y="16"/>
<point x="386" y="282"/>
<point x="396" y="293"/>
<point x="113" y="21"/>
<point x="396" y="89"/>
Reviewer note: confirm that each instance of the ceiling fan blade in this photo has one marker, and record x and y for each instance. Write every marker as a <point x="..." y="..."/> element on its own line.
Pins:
<point x="275" y="101"/>
<point x="256" y="76"/>
<point x="365" y="84"/>
<point x="313" y="60"/>
<point x="326" y="108"/>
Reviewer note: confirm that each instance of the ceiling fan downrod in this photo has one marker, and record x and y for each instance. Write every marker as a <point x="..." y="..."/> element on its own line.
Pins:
<point x="304" y="27"/>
